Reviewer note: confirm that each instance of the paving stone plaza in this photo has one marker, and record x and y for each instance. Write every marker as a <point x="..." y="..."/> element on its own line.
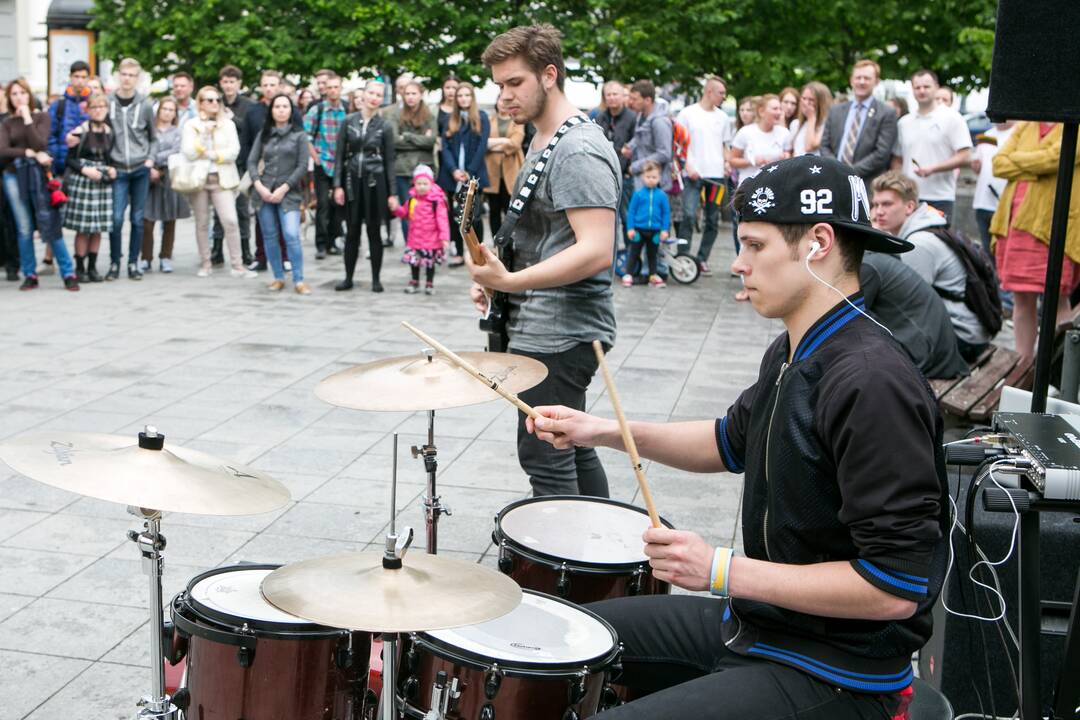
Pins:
<point x="224" y="366"/>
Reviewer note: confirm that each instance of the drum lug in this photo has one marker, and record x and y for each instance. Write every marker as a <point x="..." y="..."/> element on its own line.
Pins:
<point x="578" y="689"/>
<point x="638" y="582"/>
<point x="609" y="698"/>
<point x="492" y="681"/>
<point x="506" y="563"/>
<point x="412" y="658"/>
<point x="411" y="688"/>
<point x="614" y="671"/>
<point x="562" y="587"/>
<point x="246" y="655"/>
<point x="343" y="656"/>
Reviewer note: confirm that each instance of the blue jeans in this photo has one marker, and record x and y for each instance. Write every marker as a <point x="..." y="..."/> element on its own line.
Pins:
<point x="403" y="184"/>
<point x="24" y="230"/>
<point x="128" y="187"/>
<point x="269" y="216"/>
<point x="691" y="198"/>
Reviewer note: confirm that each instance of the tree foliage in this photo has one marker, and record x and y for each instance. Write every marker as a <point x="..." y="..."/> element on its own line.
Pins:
<point x="759" y="45"/>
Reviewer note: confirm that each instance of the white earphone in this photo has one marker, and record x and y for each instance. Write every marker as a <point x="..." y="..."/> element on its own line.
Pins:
<point x="815" y="246"/>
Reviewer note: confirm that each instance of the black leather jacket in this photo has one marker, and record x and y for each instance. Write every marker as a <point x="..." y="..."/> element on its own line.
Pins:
<point x="367" y="156"/>
<point x="842" y="453"/>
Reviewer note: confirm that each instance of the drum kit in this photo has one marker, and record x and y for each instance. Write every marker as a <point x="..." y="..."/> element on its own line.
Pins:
<point x="293" y="642"/>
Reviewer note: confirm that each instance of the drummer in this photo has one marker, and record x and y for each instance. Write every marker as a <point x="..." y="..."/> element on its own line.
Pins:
<point x="844" y="505"/>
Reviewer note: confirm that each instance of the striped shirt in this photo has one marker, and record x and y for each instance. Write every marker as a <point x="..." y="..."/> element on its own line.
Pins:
<point x="324" y="134"/>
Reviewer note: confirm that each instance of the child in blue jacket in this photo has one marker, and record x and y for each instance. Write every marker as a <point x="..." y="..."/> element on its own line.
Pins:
<point x="647" y="223"/>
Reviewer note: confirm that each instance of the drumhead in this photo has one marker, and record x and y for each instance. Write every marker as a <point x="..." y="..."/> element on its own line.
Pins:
<point x="542" y="631"/>
<point x="232" y="595"/>
<point x="592" y="531"/>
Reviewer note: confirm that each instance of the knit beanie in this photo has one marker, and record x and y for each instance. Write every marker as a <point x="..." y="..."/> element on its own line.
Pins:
<point x="423" y="171"/>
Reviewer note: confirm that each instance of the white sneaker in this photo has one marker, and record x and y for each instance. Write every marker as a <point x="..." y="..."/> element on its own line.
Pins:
<point x="254" y="264"/>
<point x="166" y="265"/>
<point x="145" y="266"/>
<point x="204" y="272"/>
<point x="246" y="274"/>
<point x="288" y="266"/>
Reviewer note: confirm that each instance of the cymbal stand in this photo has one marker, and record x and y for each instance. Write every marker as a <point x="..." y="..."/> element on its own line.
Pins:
<point x="396" y="547"/>
<point x="158" y="705"/>
<point x="432" y="507"/>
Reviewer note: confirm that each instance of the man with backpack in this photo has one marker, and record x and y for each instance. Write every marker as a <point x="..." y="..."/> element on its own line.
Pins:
<point x="958" y="270"/>
<point x="321" y="122"/>
<point x="653" y="136"/>
<point x="68" y="113"/>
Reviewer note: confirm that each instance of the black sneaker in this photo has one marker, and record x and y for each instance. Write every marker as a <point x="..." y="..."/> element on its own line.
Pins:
<point x="376" y="286"/>
<point x="29" y="283"/>
<point x="217" y="259"/>
<point x="333" y="250"/>
<point x="114" y="271"/>
<point x="320" y="254"/>
<point x="12" y="274"/>
<point x="71" y="284"/>
<point x="343" y="285"/>
<point x="94" y="276"/>
<point x="387" y="243"/>
<point x="83" y="276"/>
<point x="133" y="272"/>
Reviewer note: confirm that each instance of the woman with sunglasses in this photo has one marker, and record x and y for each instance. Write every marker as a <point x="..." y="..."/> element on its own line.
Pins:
<point x="210" y="142"/>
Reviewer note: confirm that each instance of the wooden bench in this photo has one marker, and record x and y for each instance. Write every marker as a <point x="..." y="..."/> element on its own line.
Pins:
<point x="975" y="397"/>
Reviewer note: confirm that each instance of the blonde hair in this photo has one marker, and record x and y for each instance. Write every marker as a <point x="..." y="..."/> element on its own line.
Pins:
<point x="205" y="90"/>
<point x="762" y="101"/>
<point x="822" y="98"/>
<point x="130" y="63"/>
<point x="473" y="112"/>
<point x="898" y="183"/>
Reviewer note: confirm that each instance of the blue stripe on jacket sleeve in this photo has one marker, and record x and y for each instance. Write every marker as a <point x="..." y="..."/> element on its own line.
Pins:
<point x="890" y="578"/>
<point x="730" y="461"/>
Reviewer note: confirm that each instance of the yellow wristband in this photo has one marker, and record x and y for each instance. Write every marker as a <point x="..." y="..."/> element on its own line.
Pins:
<point x="721" y="568"/>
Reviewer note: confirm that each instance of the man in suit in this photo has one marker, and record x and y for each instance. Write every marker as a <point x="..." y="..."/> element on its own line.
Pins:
<point x="861" y="132"/>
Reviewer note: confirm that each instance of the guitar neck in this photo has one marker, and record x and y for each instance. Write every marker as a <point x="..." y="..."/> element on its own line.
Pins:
<point x="473" y="243"/>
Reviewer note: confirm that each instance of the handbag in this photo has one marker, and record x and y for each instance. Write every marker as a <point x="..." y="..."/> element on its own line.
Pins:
<point x="186" y="176"/>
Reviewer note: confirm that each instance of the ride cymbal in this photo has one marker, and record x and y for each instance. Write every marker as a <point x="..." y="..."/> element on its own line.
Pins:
<point x="116" y="468"/>
<point x="355" y="592"/>
<point x="415" y="382"/>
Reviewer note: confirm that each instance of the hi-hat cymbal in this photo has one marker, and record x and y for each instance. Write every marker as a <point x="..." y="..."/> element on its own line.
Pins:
<point x="115" y="468"/>
<point x="354" y="591"/>
<point x="414" y="382"/>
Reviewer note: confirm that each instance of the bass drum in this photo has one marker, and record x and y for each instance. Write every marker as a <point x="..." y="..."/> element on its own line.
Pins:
<point x="545" y="660"/>
<point x="583" y="549"/>
<point x="247" y="659"/>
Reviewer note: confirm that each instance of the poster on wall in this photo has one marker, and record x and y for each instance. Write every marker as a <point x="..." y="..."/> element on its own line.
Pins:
<point x="65" y="47"/>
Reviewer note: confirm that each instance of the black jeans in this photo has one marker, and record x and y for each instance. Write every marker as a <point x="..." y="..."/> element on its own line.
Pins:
<point x="365" y="209"/>
<point x="633" y="252"/>
<point x="497" y="205"/>
<point x="575" y="471"/>
<point x="673" y="654"/>
<point x="328" y="214"/>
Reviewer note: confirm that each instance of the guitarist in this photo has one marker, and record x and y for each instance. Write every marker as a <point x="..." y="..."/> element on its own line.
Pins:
<point x="558" y="284"/>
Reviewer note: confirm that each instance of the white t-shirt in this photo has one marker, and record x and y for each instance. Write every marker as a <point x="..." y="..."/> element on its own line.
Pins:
<point x="797" y="140"/>
<point x="709" y="132"/>
<point x="754" y="141"/>
<point x="928" y="140"/>
<point x="988" y="188"/>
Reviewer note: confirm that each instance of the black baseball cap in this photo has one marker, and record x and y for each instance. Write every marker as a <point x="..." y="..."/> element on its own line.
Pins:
<point x="811" y="189"/>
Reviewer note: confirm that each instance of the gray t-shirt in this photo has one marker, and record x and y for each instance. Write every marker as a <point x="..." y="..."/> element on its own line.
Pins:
<point x="583" y="172"/>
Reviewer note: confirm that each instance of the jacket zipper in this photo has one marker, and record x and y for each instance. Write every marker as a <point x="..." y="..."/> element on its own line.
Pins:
<point x="768" y="438"/>
<point x="650" y="207"/>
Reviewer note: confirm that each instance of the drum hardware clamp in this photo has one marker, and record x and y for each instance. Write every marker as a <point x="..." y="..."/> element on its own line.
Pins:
<point x="442" y="694"/>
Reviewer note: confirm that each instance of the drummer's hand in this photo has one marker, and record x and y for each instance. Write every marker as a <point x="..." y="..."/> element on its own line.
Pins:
<point x="493" y="274"/>
<point x="565" y="428"/>
<point x="679" y="557"/>
<point x="479" y="298"/>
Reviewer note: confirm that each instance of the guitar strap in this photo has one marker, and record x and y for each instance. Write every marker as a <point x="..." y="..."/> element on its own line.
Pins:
<point x="525" y="192"/>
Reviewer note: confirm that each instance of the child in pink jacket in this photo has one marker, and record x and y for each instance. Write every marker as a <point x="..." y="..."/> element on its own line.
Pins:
<point x="429" y="228"/>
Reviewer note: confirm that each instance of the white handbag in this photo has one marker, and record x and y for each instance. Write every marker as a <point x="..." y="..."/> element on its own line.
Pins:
<point x="186" y="176"/>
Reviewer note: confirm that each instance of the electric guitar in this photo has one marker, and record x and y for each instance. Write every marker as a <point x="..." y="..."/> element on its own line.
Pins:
<point x="494" y="321"/>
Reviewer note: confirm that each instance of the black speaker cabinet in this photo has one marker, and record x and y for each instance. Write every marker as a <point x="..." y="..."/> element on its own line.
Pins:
<point x="1036" y="55"/>
<point x="965" y="656"/>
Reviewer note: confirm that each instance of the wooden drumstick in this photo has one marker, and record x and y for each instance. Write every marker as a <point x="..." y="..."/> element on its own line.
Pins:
<point x="473" y="370"/>
<point x="628" y="438"/>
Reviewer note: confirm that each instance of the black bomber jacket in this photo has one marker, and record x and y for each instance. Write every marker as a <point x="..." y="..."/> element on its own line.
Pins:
<point x="841" y="449"/>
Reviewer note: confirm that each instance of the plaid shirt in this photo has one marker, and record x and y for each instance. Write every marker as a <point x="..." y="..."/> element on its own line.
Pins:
<point x="326" y="143"/>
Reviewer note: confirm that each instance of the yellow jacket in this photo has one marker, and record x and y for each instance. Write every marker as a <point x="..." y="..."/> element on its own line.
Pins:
<point x="1025" y="157"/>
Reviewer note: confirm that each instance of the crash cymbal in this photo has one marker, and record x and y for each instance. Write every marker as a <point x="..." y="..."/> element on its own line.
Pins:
<point x="115" y="468"/>
<point x="354" y="591"/>
<point x="414" y="382"/>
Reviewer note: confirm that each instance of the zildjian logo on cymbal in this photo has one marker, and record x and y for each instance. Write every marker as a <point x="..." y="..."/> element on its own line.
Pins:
<point x="62" y="451"/>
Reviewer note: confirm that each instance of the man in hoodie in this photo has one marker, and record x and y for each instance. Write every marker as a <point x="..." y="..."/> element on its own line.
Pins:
<point x="896" y="209"/>
<point x="132" y="118"/>
<point x="67" y="113"/>
<point x="652" y="137"/>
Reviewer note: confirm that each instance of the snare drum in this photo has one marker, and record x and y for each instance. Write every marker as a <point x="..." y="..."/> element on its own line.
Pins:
<point x="247" y="659"/>
<point x="580" y="548"/>
<point x="545" y="660"/>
